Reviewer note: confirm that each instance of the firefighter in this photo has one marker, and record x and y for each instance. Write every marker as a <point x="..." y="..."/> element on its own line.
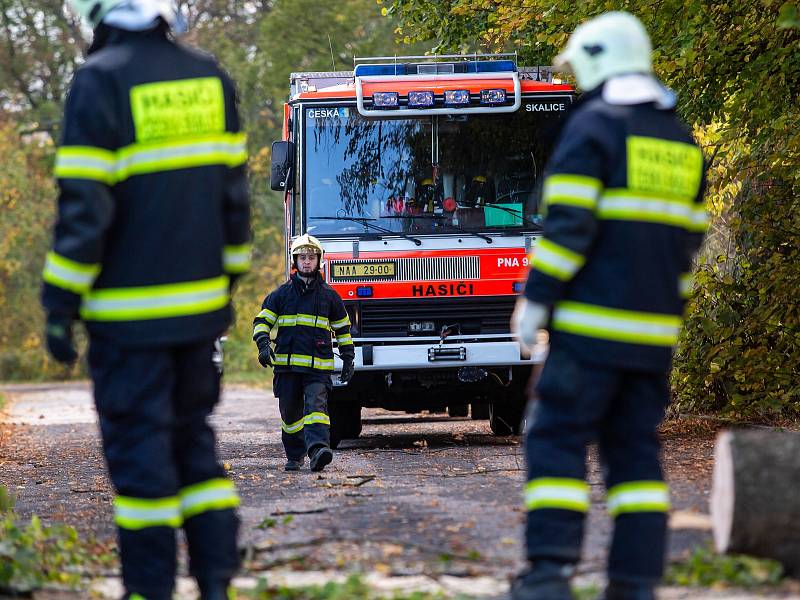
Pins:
<point x="306" y="310"/>
<point x="608" y="279"/>
<point x="152" y="229"/>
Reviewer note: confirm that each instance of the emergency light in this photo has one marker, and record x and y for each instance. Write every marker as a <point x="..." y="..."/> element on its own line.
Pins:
<point x="420" y="99"/>
<point x="386" y="99"/>
<point x="364" y="291"/>
<point x="456" y="97"/>
<point x="493" y="96"/>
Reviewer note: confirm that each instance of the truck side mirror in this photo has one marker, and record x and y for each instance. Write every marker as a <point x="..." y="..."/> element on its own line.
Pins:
<point x="282" y="169"/>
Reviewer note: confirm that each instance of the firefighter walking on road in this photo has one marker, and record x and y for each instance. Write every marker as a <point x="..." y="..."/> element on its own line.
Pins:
<point x="305" y="310"/>
<point x="152" y="228"/>
<point x="609" y="277"/>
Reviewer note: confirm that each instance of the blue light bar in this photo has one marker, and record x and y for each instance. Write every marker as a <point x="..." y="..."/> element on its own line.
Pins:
<point x="364" y="291"/>
<point x="493" y="96"/>
<point x="491" y="66"/>
<point x="386" y="99"/>
<point x="456" y="97"/>
<point x="417" y="99"/>
<point x="518" y="287"/>
<point x="388" y="69"/>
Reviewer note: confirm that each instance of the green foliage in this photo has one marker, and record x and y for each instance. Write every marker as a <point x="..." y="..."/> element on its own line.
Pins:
<point x="705" y="568"/>
<point x="736" y="68"/>
<point x="34" y="554"/>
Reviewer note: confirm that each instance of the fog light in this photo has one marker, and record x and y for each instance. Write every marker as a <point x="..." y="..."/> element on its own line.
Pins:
<point x="385" y="99"/>
<point x="493" y="96"/>
<point x="417" y="99"/>
<point x="456" y="97"/>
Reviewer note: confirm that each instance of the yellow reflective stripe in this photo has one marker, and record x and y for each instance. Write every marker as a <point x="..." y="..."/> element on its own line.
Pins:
<point x="652" y="329"/>
<point x="341" y="323"/>
<point x="685" y="282"/>
<point x="82" y="162"/>
<point x="222" y="149"/>
<point x="565" y="493"/>
<point x="139" y="513"/>
<point x="85" y="162"/>
<point x="572" y="190"/>
<point x="236" y="259"/>
<point x="664" y="166"/>
<point x="68" y="274"/>
<point x="213" y="494"/>
<point x="316" y="418"/>
<point x="137" y="597"/>
<point x="638" y="496"/>
<point x="344" y="340"/>
<point x="304" y="360"/>
<point x="305" y="320"/>
<point x="627" y="205"/>
<point x="268" y="316"/>
<point x="293" y="427"/>
<point x="260" y="328"/>
<point x="156" y="301"/>
<point x="556" y="261"/>
<point x="699" y="221"/>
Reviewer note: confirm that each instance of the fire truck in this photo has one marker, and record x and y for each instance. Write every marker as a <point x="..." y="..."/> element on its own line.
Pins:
<point x="422" y="177"/>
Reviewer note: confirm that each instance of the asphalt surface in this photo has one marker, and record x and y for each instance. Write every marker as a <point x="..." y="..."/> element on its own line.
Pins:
<point x="415" y="495"/>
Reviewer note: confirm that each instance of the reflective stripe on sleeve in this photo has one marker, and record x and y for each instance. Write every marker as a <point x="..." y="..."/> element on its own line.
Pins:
<point x="236" y="259"/>
<point x="685" y="283"/>
<point x="260" y="328"/>
<point x="557" y="492"/>
<point x="617" y="325"/>
<point x="638" y="496"/>
<point x="293" y="427"/>
<point x="304" y="360"/>
<point x="580" y="191"/>
<point x="269" y="316"/>
<point x="341" y="323"/>
<point x="139" y="513"/>
<point x="316" y="418"/>
<point x="85" y="162"/>
<point x="68" y="274"/>
<point x="344" y="340"/>
<point x="556" y="261"/>
<point x="214" y="494"/>
<point x="156" y="301"/>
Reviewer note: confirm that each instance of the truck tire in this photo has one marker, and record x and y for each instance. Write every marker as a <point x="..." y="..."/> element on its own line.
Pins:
<point x="505" y="418"/>
<point x="345" y="421"/>
<point x="458" y="410"/>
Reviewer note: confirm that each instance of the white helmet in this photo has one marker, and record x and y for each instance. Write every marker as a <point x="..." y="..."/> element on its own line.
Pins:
<point x="615" y="43"/>
<point x="134" y="12"/>
<point x="307" y="244"/>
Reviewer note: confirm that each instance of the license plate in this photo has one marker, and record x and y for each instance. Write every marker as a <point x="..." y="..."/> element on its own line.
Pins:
<point x="365" y="270"/>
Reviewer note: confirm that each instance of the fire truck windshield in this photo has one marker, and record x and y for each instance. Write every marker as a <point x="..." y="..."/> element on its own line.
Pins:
<point x="440" y="174"/>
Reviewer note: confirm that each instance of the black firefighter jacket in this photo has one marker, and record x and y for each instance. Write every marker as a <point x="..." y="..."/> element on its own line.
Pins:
<point x="153" y="211"/>
<point x="305" y="315"/>
<point x="625" y="216"/>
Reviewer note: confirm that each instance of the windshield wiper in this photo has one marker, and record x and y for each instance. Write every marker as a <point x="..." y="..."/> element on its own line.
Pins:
<point x="439" y="218"/>
<point x="366" y="223"/>
<point x="511" y="211"/>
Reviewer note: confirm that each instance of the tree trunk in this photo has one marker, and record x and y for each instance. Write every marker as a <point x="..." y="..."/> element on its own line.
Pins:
<point x="755" y="499"/>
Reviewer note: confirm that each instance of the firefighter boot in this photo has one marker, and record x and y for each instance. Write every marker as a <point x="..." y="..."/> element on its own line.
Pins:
<point x="543" y="580"/>
<point x="216" y="590"/>
<point x="617" y="590"/>
<point x="293" y="465"/>
<point x="320" y="458"/>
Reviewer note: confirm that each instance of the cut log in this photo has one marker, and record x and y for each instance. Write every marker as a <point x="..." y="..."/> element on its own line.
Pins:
<point x="755" y="498"/>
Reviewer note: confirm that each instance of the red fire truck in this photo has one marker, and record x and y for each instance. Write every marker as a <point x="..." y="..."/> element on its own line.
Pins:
<point x="422" y="177"/>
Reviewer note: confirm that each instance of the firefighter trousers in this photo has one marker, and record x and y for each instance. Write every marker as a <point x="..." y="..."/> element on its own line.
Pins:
<point x="153" y="405"/>
<point x="578" y="403"/>
<point x="303" y="402"/>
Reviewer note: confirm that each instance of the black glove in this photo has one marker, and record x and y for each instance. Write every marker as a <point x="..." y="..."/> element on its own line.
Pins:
<point x="58" y="333"/>
<point x="265" y="355"/>
<point x="348" y="368"/>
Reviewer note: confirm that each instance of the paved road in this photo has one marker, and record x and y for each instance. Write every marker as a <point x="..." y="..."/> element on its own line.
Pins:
<point x="415" y="495"/>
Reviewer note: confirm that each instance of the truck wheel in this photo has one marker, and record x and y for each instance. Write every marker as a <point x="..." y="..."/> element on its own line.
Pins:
<point x="505" y="418"/>
<point x="480" y="411"/>
<point x="459" y="410"/>
<point x="345" y="421"/>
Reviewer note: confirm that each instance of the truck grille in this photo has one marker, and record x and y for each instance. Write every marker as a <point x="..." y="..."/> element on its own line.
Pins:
<point x="391" y="318"/>
<point x="433" y="268"/>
